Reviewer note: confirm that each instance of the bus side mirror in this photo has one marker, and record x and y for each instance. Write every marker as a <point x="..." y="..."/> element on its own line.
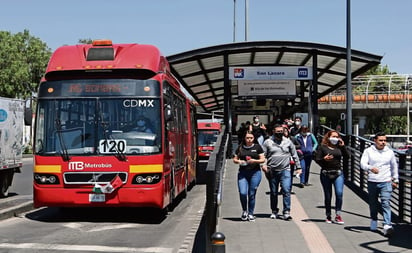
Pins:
<point x="168" y="113"/>
<point x="28" y="113"/>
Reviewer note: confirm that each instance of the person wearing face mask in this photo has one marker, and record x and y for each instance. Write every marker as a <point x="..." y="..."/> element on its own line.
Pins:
<point x="328" y="156"/>
<point x="258" y="129"/>
<point x="308" y="144"/>
<point x="278" y="151"/>
<point x="294" y="130"/>
<point x="142" y="125"/>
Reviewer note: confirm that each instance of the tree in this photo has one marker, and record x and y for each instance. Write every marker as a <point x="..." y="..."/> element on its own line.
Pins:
<point x="23" y="61"/>
<point x="86" y="41"/>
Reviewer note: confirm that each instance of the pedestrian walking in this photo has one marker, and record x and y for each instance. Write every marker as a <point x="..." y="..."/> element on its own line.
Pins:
<point x="249" y="155"/>
<point x="278" y="151"/>
<point x="308" y="144"/>
<point x="292" y="162"/>
<point x="329" y="157"/>
<point x="295" y="128"/>
<point x="258" y="129"/>
<point x="380" y="163"/>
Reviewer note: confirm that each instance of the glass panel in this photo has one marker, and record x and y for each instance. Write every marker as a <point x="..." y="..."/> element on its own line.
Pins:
<point x="98" y="126"/>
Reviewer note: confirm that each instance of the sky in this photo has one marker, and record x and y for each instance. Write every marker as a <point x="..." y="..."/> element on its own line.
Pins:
<point x="379" y="27"/>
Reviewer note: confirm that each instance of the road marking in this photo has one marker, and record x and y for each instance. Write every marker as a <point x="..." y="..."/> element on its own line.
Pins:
<point x="82" y="248"/>
<point x="315" y="239"/>
<point x="75" y="225"/>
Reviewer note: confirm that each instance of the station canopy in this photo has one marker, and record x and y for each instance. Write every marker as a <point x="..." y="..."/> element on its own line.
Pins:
<point x="201" y="71"/>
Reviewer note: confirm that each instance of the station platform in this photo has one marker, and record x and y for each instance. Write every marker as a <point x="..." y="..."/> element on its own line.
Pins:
<point x="307" y="231"/>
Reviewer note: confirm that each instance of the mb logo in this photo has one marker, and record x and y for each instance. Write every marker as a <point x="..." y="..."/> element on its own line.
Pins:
<point x="76" y="166"/>
<point x="238" y="73"/>
<point x="303" y="72"/>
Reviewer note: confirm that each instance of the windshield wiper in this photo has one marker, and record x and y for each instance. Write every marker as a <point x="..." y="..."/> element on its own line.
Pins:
<point x="64" y="153"/>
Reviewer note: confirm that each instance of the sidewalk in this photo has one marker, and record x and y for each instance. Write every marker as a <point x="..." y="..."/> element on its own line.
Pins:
<point x="307" y="231"/>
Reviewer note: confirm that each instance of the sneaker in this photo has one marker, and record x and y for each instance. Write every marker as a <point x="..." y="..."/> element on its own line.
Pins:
<point x="374" y="225"/>
<point x="387" y="230"/>
<point x="251" y="217"/>
<point x="286" y="216"/>
<point x="328" y="219"/>
<point x="244" y="216"/>
<point x="274" y="216"/>
<point x="338" y="219"/>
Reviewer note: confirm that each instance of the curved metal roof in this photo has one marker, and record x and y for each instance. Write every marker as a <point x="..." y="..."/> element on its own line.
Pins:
<point x="201" y="71"/>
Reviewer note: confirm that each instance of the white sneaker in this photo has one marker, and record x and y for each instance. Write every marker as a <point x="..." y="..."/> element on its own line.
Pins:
<point x="251" y="217"/>
<point x="374" y="225"/>
<point x="274" y="216"/>
<point x="387" y="230"/>
<point x="244" y="216"/>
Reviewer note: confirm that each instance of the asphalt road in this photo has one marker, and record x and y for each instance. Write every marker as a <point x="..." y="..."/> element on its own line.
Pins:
<point x="24" y="229"/>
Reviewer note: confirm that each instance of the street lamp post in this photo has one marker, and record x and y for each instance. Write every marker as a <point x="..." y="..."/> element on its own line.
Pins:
<point x="408" y="112"/>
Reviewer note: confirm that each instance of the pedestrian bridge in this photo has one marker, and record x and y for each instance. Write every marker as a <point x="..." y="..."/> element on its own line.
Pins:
<point x="371" y="95"/>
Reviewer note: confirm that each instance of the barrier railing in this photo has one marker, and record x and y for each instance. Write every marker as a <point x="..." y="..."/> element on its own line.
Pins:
<point x="357" y="179"/>
<point x="214" y="184"/>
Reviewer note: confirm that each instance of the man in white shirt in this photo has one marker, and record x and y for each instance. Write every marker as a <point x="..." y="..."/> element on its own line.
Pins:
<point x="380" y="163"/>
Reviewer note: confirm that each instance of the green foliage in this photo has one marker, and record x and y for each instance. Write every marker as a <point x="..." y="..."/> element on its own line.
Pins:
<point x="85" y="41"/>
<point x="23" y="60"/>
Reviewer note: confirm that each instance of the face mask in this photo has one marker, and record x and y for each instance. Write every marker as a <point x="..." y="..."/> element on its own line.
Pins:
<point x="304" y="134"/>
<point x="278" y="135"/>
<point x="140" y="123"/>
<point x="256" y="120"/>
<point x="333" y="140"/>
<point x="297" y="123"/>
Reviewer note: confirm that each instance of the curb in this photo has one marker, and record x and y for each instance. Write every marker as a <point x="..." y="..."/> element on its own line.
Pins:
<point x="14" y="211"/>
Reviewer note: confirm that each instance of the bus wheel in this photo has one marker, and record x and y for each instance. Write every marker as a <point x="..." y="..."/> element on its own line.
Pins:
<point x="4" y="184"/>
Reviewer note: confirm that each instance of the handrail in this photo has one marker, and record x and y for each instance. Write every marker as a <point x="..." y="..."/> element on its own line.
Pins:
<point x="374" y="88"/>
<point x="356" y="178"/>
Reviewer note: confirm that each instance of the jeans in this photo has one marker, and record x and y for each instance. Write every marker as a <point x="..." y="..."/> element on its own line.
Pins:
<point x="248" y="182"/>
<point x="384" y="190"/>
<point x="303" y="175"/>
<point x="327" y="191"/>
<point x="280" y="177"/>
<point x="308" y="161"/>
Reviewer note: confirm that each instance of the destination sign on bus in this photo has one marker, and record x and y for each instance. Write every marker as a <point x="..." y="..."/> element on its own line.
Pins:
<point x="100" y="87"/>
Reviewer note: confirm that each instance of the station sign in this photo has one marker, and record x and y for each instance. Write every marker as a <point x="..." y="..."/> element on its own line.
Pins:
<point x="271" y="73"/>
<point x="267" y="88"/>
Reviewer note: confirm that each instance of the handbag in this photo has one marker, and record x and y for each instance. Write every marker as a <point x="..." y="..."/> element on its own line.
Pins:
<point x="331" y="174"/>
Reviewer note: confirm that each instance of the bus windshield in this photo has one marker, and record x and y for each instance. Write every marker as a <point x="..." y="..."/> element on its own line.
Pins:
<point x="98" y="125"/>
<point x="207" y="137"/>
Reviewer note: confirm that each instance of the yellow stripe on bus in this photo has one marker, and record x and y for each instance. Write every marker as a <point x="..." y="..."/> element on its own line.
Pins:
<point x="149" y="168"/>
<point x="47" y="168"/>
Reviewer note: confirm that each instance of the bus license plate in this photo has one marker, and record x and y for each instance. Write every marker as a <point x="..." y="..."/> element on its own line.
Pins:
<point x="97" y="197"/>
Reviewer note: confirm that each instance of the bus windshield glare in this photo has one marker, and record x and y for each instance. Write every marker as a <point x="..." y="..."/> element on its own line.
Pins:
<point x="93" y="124"/>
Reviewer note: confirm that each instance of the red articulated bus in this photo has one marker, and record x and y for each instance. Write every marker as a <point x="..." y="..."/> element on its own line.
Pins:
<point x="113" y="128"/>
<point x="208" y="133"/>
<point x="207" y="137"/>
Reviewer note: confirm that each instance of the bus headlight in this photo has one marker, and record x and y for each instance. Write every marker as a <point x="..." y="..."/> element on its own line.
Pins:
<point x="150" y="178"/>
<point x="46" y="178"/>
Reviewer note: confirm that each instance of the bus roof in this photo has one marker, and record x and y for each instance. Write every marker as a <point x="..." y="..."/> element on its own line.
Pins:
<point x="106" y="56"/>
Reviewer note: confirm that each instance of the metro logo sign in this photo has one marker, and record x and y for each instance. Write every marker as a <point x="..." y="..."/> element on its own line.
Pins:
<point x="238" y="73"/>
<point x="303" y="72"/>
